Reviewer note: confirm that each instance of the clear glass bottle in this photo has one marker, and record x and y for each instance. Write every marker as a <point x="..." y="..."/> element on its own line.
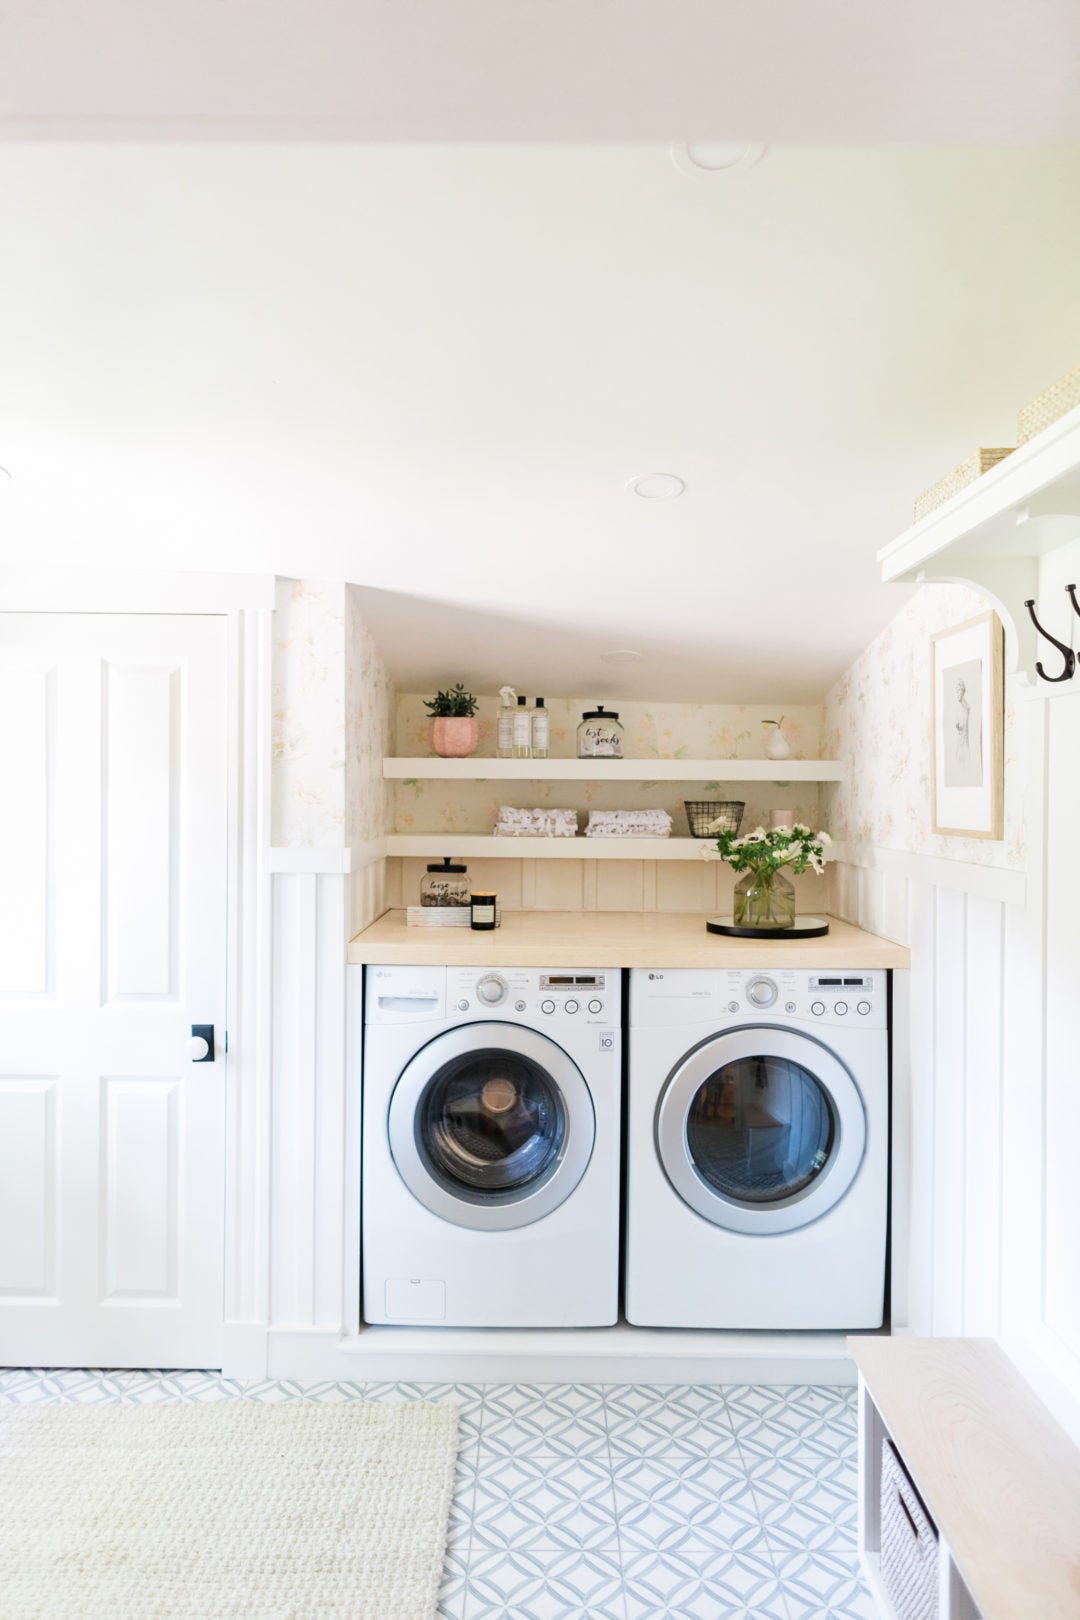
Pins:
<point x="522" y="731"/>
<point x="446" y="883"/>
<point x="599" y="736"/>
<point x="541" y="730"/>
<point x="505" y="733"/>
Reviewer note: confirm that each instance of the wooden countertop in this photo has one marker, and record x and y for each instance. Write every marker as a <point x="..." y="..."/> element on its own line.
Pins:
<point x="649" y="939"/>
<point x="999" y="1476"/>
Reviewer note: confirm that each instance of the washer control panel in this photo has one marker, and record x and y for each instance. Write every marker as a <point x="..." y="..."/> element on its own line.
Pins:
<point x="578" y="997"/>
<point x="690" y="996"/>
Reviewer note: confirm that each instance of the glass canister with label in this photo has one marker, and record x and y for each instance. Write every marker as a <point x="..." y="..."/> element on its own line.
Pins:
<point x="599" y="735"/>
<point x="445" y="884"/>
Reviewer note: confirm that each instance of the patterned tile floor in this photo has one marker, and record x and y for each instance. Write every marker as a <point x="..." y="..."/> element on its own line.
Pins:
<point x="610" y="1502"/>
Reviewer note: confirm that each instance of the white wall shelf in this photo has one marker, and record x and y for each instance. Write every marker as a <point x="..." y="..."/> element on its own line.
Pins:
<point x="615" y="770"/>
<point x="435" y="845"/>
<point x="993" y="533"/>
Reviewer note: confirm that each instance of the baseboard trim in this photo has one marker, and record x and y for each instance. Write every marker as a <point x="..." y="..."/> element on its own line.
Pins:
<point x="617" y="1355"/>
<point x="244" y="1352"/>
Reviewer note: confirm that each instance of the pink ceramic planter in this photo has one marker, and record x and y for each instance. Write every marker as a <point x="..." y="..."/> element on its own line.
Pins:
<point x="455" y="736"/>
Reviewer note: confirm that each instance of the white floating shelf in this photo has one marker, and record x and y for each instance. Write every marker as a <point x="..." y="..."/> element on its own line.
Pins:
<point x="616" y="770"/>
<point x="993" y="532"/>
<point x="464" y="845"/>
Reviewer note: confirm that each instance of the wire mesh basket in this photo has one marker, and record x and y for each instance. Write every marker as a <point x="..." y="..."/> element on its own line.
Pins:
<point x="701" y="813"/>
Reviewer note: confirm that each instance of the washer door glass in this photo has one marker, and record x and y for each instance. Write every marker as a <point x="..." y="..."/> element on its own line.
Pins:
<point x="491" y="1126"/>
<point x="760" y="1129"/>
<point x="491" y="1121"/>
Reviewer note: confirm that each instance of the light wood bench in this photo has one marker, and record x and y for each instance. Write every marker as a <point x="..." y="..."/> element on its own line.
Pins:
<point x="999" y="1478"/>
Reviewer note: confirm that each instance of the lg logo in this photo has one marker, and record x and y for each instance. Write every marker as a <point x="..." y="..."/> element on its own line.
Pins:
<point x="656" y="975"/>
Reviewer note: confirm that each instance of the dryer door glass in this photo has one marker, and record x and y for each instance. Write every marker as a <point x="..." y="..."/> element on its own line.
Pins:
<point x="491" y="1122"/>
<point x="760" y="1129"/>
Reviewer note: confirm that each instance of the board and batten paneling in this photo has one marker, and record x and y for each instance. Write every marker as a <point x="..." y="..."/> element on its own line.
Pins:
<point x="313" y="1167"/>
<point x="948" y="1078"/>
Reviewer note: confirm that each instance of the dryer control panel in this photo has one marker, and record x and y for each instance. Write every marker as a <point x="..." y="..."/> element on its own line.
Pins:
<point x="578" y="996"/>
<point x="740" y="995"/>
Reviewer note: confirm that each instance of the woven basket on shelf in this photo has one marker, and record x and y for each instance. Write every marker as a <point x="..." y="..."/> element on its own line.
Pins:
<point x="909" y="1543"/>
<point x="701" y="813"/>
<point x="1055" y="401"/>
<point x="958" y="479"/>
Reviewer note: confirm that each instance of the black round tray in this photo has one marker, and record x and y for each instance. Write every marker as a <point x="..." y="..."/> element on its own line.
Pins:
<point x="804" y="928"/>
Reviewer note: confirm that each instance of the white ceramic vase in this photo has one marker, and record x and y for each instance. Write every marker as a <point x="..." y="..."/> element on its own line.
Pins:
<point x="776" y="744"/>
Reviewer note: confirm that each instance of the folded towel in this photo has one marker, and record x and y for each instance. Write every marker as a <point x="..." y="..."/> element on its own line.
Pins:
<point x="541" y="823"/>
<point x="628" y="824"/>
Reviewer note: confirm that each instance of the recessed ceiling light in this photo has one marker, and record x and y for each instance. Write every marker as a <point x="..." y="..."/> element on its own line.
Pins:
<point x="656" y="486"/>
<point x="620" y="655"/>
<point x="716" y="157"/>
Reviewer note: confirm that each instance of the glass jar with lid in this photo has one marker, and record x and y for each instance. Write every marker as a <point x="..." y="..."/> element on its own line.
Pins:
<point x="446" y="883"/>
<point x="599" y="735"/>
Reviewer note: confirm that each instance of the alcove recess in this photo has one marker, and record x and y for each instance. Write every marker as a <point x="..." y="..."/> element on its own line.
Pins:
<point x="448" y="806"/>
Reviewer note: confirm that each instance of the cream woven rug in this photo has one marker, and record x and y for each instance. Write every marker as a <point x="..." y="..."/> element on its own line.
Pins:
<point x="285" y="1511"/>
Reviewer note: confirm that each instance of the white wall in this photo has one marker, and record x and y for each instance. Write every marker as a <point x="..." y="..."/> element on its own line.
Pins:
<point x="986" y="1108"/>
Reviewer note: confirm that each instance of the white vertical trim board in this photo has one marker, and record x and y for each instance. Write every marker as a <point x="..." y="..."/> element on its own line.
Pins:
<point x="247" y="1128"/>
<point x="309" y="1106"/>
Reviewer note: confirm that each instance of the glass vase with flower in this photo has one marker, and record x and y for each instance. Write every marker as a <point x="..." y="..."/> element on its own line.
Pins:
<point x="764" y="895"/>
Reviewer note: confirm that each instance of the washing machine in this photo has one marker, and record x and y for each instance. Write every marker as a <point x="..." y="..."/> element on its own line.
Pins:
<point x="757" y="1148"/>
<point x="491" y="1121"/>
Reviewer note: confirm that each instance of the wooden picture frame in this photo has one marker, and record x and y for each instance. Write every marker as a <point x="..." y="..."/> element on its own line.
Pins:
<point x="967" y="727"/>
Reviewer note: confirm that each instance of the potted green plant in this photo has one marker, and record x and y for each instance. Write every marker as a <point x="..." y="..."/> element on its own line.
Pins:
<point x="764" y="897"/>
<point x="455" y="730"/>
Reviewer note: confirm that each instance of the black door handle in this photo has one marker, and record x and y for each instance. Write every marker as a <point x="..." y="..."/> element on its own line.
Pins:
<point x="204" y="1032"/>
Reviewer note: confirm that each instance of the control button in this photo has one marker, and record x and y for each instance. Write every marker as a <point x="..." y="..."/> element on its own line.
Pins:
<point x="840" y="1007"/>
<point x="596" y="1006"/>
<point x="790" y="1006"/>
<point x="817" y="1008"/>
<point x="547" y="1006"/>
<point x="572" y="1006"/>
<point x="463" y="1006"/>
<point x="863" y="1007"/>
<point x="519" y="1006"/>
<point x="761" y="992"/>
<point x="733" y="1006"/>
<point x="491" y="989"/>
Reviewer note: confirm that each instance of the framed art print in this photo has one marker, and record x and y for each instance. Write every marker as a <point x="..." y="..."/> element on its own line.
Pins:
<point x="967" y="725"/>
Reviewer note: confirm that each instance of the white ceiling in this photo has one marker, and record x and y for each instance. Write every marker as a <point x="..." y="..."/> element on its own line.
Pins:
<point x="431" y="370"/>
<point x="650" y="70"/>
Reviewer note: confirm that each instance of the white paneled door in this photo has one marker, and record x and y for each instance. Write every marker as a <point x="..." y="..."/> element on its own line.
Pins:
<point x="113" y="832"/>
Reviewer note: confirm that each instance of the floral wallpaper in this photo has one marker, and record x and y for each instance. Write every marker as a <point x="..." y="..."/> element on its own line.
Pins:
<point x="307" y="778"/>
<point x="335" y="715"/>
<point x="369" y="723"/>
<point x="650" y="731"/>
<point x="877" y="717"/>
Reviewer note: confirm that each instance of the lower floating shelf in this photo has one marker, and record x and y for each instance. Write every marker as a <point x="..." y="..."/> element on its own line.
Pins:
<point x="435" y="845"/>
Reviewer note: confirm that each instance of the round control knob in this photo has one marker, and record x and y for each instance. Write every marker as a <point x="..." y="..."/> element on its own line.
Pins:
<point x="547" y="1006"/>
<point x="733" y="1006"/>
<point x="761" y="992"/>
<point x="463" y="1006"/>
<point x="817" y="1008"/>
<point x="492" y="989"/>
<point x="863" y="1007"/>
<point x="596" y="1006"/>
<point x="790" y="1006"/>
<point x="519" y="1006"/>
<point x="572" y="1006"/>
<point x="840" y="1007"/>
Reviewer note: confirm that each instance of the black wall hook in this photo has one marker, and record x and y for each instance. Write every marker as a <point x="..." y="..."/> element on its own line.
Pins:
<point x="1066" y="652"/>
<point x="1072" y="594"/>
